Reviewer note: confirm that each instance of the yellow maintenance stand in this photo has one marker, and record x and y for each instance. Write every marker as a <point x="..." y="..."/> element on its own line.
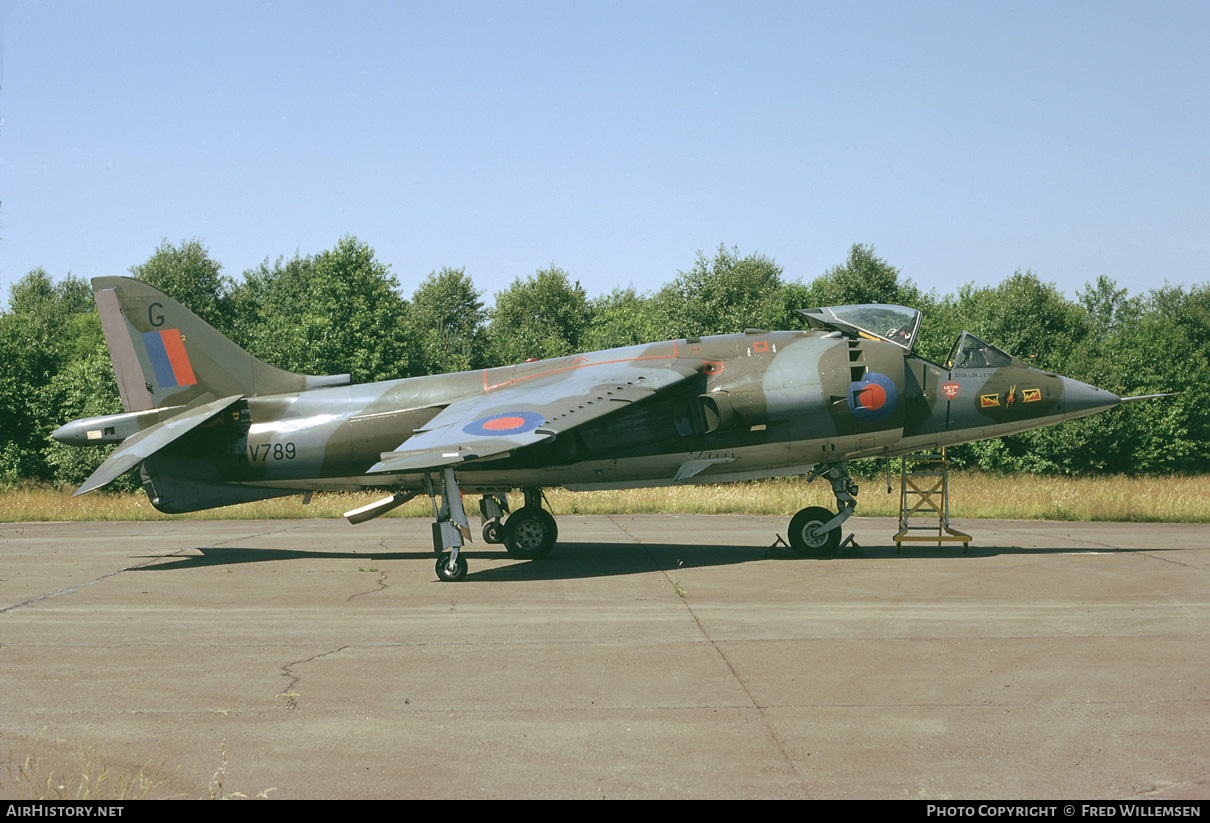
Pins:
<point x="924" y="494"/>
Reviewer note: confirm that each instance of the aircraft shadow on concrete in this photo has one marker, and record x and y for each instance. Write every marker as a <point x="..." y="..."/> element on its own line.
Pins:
<point x="570" y="561"/>
<point x="587" y="560"/>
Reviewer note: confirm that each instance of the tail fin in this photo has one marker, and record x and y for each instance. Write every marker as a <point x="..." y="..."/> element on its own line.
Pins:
<point x="165" y="355"/>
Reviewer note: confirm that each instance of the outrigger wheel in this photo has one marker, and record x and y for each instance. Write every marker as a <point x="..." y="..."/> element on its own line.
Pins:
<point x="448" y="574"/>
<point x="806" y="537"/>
<point x="530" y="533"/>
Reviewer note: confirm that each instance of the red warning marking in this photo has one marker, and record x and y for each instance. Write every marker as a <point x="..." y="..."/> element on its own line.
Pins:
<point x="872" y="397"/>
<point x="504" y="423"/>
<point x="761" y="346"/>
<point x="950" y="390"/>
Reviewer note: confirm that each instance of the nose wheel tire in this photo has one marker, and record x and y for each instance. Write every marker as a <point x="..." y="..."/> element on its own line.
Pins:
<point x="530" y="533"/>
<point x="806" y="537"/>
<point x="446" y="573"/>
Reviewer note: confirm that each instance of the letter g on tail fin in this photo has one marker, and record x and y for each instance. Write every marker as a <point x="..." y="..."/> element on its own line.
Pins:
<point x="165" y="355"/>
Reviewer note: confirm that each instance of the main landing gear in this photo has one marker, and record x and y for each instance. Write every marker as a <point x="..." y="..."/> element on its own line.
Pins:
<point x="529" y="533"/>
<point x="493" y="507"/>
<point x="815" y="531"/>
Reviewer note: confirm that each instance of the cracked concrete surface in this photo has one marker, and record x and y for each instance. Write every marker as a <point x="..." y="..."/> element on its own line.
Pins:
<point x="650" y="656"/>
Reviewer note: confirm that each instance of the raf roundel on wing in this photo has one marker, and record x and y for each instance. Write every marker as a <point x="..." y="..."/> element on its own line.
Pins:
<point x="512" y="422"/>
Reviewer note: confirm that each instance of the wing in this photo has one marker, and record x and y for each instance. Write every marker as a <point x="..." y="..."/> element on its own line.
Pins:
<point x="534" y="408"/>
<point x="138" y="447"/>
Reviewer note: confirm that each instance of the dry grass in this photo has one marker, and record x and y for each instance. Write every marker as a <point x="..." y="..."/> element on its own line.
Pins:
<point x="973" y="495"/>
<point x="64" y="770"/>
<point x="77" y="774"/>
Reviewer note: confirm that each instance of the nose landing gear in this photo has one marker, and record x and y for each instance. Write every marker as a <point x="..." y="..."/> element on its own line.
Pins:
<point x="815" y="531"/>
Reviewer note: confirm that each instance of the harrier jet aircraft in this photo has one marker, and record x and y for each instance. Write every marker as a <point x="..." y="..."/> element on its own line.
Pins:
<point x="210" y="425"/>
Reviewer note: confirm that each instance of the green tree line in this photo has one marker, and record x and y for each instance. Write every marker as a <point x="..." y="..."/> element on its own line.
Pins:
<point x="342" y="310"/>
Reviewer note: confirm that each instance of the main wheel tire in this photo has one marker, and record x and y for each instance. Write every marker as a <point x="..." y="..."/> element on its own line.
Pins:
<point x="530" y="533"/>
<point x="492" y="532"/>
<point x="447" y="574"/>
<point x="805" y="537"/>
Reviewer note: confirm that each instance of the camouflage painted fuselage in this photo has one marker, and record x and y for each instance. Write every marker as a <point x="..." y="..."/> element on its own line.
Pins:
<point x="767" y="404"/>
<point x="211" y="425"/>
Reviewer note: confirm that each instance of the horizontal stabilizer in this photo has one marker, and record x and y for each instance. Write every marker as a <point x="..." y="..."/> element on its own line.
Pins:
<point x="138" y="447"/>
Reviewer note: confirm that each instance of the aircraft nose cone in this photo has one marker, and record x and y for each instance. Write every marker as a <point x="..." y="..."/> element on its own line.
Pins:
<point x="1081" y="399"/>
<point x="69" y="433"/>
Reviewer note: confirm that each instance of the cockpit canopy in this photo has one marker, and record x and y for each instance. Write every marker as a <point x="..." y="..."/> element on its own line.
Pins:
<point x="900" y="325"/>
<point x="970" y="352"/>
<point x="875" y="321"/>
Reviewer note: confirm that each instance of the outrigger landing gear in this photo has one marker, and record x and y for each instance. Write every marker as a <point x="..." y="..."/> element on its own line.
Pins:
<point x="815" y="531"/>
<point x="530" y="532"/>
<point x="451" y="528"/>
<point x="449" y="568"/>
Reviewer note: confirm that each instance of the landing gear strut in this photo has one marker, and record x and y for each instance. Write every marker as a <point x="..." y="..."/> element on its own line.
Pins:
<point x="815" y="531"/>
<point x="451" y="529"/>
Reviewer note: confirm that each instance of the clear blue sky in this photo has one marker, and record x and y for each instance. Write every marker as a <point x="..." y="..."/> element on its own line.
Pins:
<point x="964" y="140"/>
